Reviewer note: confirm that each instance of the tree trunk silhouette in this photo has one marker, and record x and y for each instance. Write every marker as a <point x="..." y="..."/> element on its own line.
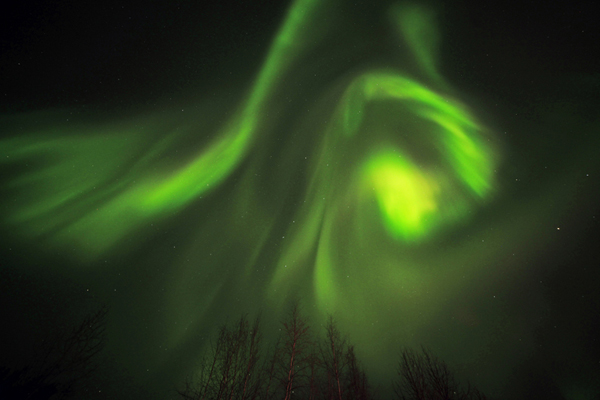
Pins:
<point x="358" y="386"/>
<point x="296" y="350"/>
<point x="333" y="355"/>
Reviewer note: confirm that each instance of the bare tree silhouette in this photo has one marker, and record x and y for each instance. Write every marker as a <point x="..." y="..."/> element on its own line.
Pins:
<point x="229" y="371"/>
<point x="270" y="370"/>
<point x="358" y="387"/>
<point x="61" y="365"/>
<point x="237" y="367"/>
<point x="422" y="376"/>
<point x="296" y="354"/>
<point x="315" y="365"/>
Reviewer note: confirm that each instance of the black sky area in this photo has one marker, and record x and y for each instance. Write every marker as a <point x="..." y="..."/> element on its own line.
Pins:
<point x="69" y="53"/>
<point x="516" y="61"/>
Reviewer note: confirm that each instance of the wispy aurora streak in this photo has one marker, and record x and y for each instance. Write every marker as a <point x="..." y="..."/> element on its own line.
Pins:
<point x="140" y="196"/>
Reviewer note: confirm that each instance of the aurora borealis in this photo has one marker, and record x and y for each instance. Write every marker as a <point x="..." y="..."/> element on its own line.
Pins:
<point x="426" y="173"/>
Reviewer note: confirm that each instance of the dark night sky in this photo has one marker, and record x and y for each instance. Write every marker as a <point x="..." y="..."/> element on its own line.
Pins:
<point x="139" y="89"/>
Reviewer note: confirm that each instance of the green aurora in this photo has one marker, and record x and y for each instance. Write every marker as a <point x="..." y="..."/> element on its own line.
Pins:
<point x="381" y="200"/>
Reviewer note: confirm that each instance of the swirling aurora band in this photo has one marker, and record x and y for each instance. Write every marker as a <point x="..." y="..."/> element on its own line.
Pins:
<point x="85" y="206"/>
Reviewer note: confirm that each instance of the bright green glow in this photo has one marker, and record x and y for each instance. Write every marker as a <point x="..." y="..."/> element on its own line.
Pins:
<point x="112" y="181"/>
<point x="92" y="203"/>
<point x="96" y="198"/>
<point x="413" y="202"/>
<point x="406" y="196"/>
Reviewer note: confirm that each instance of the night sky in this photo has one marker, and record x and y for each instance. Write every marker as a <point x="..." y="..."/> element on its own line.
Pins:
<point x="427" y="173"/>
